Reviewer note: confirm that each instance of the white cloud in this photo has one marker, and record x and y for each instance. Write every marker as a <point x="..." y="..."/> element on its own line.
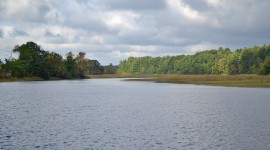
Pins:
<point x="111" y="30"/>
<point x="214" y="3"/>
<point x="187" y="15"/>
<point x="185" y="11"/>
<point x="120" y="20"/>
<point x="97" y="39"/>
<point x="7" y="30"/>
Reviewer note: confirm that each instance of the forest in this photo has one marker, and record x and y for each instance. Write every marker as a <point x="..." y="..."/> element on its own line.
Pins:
<point x="253" y="60"/>
<point x="33" y="61"/>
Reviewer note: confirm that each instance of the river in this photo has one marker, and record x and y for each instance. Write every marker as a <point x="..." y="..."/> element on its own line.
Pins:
<point x="118" y="114"/>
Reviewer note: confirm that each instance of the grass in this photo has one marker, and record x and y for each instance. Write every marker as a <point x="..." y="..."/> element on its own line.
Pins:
<point x="121" y="76"/>
<point x="213" y="80"/>
<point x="218" y="80"/>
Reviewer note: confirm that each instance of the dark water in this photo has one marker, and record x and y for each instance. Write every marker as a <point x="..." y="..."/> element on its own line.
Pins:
<point x="116" y="114"/>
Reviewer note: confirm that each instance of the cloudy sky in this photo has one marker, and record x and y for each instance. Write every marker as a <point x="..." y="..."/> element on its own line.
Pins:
<point x="111" y="30"/>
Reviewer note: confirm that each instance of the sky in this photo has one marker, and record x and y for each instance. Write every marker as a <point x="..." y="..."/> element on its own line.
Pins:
<point x="113" y="30"/>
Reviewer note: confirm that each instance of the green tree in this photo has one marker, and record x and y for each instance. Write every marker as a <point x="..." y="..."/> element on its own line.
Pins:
<point x="71" y="67"/>
<point x="95" y="67"/>
<point x="110" y="69"/>
<point x="14" y="68"/>
<point x="164" y="65"/>
<point x="233" y="63"/>
<point x="249" y="60"/>
<point x="265" y="67"/>
<point x="32" y="58"/>
<point x="124" y="67"/>
<point x="56" y="65"/>
<point x="1" y="69"/>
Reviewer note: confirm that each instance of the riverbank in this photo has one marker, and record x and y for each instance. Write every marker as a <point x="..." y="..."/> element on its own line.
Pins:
<point x="213" y="80"/>
<point x="12" y="79"/>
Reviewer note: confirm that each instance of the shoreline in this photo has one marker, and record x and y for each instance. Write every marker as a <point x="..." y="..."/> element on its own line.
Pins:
<point x="12" y="79"/>
<point x="212" y="80"/>
<point x="244" y="80"/>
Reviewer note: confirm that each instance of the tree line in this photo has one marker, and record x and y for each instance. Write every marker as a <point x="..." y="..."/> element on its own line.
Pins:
<point x="252" y="60"/>
<point x="33" y="61"/>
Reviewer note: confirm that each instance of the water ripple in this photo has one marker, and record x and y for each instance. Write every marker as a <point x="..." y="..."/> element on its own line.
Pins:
<point x="116" y="114"/>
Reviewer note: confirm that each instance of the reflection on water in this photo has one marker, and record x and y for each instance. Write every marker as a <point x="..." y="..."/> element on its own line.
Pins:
<point x="117" y="114"/>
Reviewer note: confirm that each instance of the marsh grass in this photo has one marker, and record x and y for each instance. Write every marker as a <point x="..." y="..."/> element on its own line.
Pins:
<point x="214" y="80"/>
<point x="218" y="80"/>
<point x="122" y="76"/>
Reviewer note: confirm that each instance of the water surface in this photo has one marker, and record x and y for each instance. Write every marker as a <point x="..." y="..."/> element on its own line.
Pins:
<point x="117" y="114"/>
